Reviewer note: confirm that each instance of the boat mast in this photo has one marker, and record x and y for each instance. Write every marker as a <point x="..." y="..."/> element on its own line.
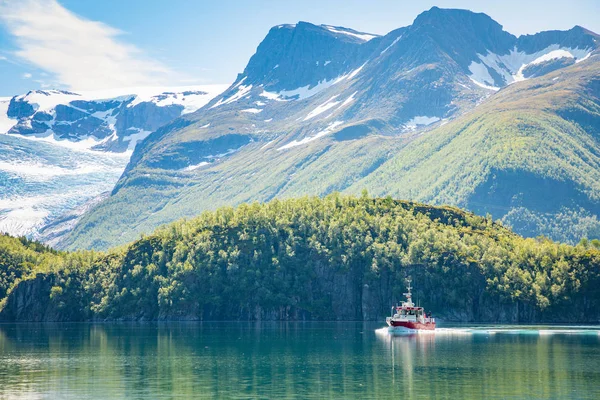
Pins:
<point x="408" y="294"/>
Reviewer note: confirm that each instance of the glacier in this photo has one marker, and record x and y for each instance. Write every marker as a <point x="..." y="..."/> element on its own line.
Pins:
<point x="46" y="175"/>
<point x="40" y="181"/>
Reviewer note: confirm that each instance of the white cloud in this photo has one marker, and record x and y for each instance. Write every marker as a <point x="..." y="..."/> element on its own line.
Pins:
<point x="26" y="75"/>
<point x="81" y="54"/>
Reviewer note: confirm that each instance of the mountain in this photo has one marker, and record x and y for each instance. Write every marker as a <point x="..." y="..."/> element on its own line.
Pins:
<point x="321" y="109"/>
<point x="63" y="150"/>
<point x="332" y="258"/>
<point x="110" y="120"/>
<point x="530" y="155"/>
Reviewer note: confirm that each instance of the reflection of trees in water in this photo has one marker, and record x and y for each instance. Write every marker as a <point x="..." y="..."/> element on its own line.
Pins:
<point x="273" y="360"/>
<point x="286" y="360"/>
<point x="455" y="365"/>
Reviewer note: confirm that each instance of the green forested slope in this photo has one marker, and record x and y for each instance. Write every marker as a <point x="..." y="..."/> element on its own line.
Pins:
<point x="310" y="258"/>
<point x="20" y="257"/>
<point x="530" y="155"/>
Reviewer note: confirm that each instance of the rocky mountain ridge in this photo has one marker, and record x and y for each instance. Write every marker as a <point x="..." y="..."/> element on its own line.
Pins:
<point x="110" y="120"/>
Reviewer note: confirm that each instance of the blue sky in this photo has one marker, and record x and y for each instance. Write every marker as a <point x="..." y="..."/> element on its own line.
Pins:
<point x="83" y="45"/>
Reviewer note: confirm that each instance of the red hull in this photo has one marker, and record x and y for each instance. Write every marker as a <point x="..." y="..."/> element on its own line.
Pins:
<point x="412" y="325"/>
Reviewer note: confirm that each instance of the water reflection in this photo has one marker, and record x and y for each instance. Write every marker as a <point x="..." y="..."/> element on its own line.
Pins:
<point x="289" y="360"/>
<point x="403" y="348"/>
<point x="496" y="362"/>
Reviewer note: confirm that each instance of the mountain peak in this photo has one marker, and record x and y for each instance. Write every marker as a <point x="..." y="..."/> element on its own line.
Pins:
<point x="462" y="33"/>
<point x="303" y="54"/>
<point x="453" y="18"/>
<point x="583" y="30"/>
<point x="338" y="32"/>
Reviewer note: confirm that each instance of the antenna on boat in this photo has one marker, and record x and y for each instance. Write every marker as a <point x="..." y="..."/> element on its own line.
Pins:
<point x="408" y="294"/>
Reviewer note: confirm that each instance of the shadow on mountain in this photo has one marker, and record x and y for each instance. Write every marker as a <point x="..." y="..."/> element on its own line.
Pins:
<point x="506" y="190"/>
<point x="352" y="132"/>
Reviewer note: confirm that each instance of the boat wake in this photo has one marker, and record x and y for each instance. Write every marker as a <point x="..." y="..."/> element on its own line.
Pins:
<point x="495" y="330"/>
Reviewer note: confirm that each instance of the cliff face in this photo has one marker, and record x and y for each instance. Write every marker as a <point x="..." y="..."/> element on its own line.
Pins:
<point x="33" y="300"/>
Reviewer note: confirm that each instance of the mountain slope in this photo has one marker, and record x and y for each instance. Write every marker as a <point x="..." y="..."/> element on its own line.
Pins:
<point x="529" y="155"/>
<point x="317" y="111"/>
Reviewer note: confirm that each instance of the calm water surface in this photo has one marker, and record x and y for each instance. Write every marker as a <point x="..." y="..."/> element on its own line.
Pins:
<point x="295" y="360"/>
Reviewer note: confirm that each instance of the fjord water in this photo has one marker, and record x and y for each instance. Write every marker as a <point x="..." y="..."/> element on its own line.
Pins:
<point x="295" y="360"/>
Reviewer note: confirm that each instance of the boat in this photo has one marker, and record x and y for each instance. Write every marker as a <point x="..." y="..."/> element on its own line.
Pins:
<point x="407" y="318"/>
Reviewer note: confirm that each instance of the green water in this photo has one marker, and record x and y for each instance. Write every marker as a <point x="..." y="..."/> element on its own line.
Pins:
<point x="295" y="360"/>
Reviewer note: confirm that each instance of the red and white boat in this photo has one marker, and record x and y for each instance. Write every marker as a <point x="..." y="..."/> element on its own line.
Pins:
<point x="408" y="318"/>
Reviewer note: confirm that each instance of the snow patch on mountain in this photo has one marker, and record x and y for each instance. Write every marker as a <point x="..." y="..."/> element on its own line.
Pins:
<point x="136" y="138"/>
<point x="481" y="76"/>
<point x="352" y="74"/>
<point x="483" y="85"/>
<point x="329" y="129"/>
<point x="345" y="31"/>
<point x="252" y="110"/>
<point x="271" y="96"/>
<point x="510" y="66"/>
<point x="584" y="58"/>
<point x="553" y="55"/>
<point x="420" y="120"/>
<point x="323" y="107"/>
<point x="213" y="157"/>
<point x="196" y="166"/>
<point x="391" y="45"/>
<point x="46" y="100"/>
<point x="349" y="100"/>
<point x="191" y="98"/>
<point x="307" y="91"/>
<point x="329" y="104"/>
<point x="267" y="144"/>
<point x="243" y="90"/>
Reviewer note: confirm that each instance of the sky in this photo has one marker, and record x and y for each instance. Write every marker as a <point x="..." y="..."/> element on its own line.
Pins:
<point x="105" y="44"/>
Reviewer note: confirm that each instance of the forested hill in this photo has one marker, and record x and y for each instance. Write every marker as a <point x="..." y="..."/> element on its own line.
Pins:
<point x="329" y="258"/>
